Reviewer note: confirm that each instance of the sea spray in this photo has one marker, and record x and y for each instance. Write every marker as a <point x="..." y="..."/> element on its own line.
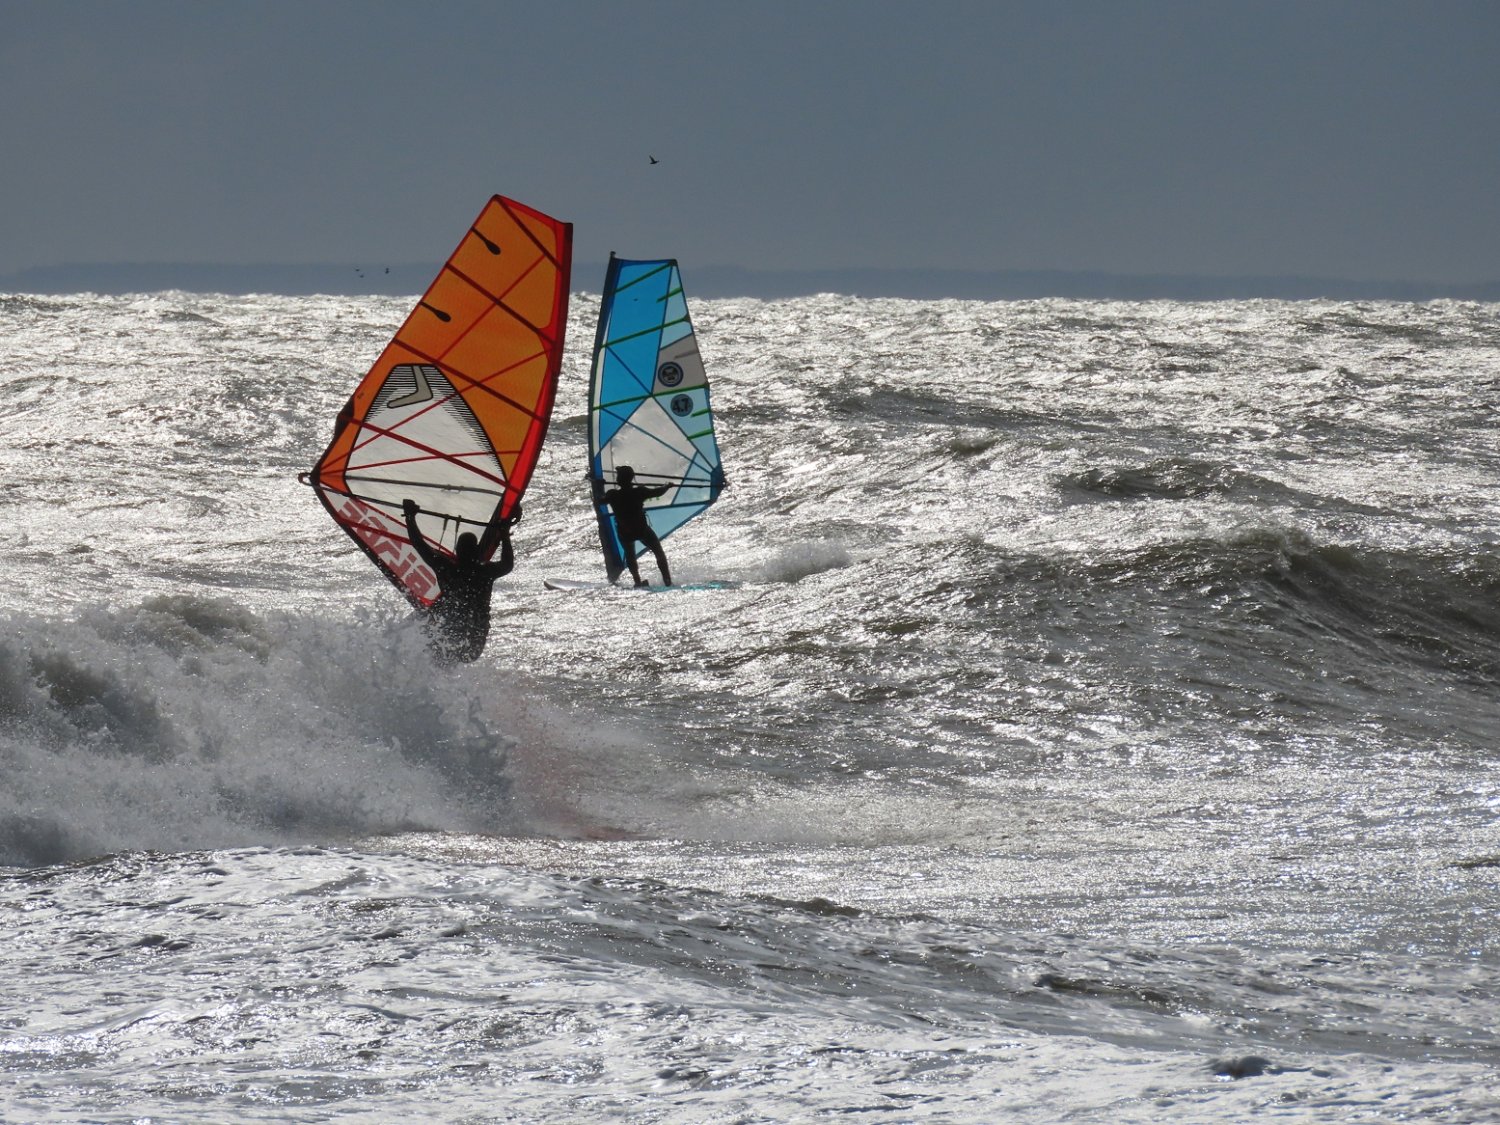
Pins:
<point x="195" y="722"/>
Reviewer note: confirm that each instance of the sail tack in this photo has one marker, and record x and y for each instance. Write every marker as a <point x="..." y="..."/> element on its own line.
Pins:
<point x="648" y="401"/>
<point x="453" y="413"/>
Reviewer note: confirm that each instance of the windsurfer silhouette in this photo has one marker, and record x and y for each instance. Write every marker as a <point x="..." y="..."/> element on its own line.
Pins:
<point x="458" y="623"/>
<point x="628" y="501"/>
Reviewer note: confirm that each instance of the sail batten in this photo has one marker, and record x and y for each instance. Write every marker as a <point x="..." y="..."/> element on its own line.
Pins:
<point x="454" y="411"/>
<point x="649" y="402"/>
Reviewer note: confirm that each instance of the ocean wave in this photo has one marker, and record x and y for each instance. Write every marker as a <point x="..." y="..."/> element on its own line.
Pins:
<point x="1168" y="478"/>
<point x="795" y="561"/>
<point x="193" y="722"/>
<point x="1272" y="588"/>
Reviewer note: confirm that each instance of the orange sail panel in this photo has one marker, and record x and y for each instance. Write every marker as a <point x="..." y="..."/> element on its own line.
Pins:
<point x="454" y="411"/>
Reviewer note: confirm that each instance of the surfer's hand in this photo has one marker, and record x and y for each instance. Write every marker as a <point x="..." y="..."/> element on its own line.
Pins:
<point x="409" y="506"/>
<point x="511" y="520"/>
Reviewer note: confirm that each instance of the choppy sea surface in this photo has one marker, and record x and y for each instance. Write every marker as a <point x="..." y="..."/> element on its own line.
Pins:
<point x="1105" y="728"/>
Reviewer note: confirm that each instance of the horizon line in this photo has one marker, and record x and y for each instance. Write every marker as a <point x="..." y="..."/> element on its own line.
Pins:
<point x="714" y="281"/>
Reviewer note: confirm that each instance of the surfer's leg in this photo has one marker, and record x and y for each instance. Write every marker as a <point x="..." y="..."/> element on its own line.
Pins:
<point x="635" y="570"/>
<point x="661" y="559"/>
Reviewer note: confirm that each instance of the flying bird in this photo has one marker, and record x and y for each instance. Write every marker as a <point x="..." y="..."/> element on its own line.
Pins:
<point x="652" y="159"/>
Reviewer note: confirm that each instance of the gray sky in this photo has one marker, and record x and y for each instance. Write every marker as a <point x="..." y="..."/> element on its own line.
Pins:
<point x="1346" y="138"/>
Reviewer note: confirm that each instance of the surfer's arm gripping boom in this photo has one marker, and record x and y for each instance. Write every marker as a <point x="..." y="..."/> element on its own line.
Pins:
<point x="414" y="533"/>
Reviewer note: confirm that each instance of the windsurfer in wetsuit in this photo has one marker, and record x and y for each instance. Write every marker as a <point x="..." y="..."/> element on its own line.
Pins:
<point x="628" y="501"/>
<point x="458" y="623"/>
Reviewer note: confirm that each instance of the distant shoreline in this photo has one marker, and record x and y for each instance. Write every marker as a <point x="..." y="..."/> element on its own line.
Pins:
<point x="735" y="281"/>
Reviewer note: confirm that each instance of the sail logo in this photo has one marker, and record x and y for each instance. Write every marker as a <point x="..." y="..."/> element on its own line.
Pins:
<point x="682" y="405"/>
<point x="669" y="374"/>
<point x="399" y="556"/>
<point x="419" y="376"/>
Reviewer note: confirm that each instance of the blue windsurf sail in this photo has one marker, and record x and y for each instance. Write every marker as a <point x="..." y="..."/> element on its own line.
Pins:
<point x="648" y="402"/>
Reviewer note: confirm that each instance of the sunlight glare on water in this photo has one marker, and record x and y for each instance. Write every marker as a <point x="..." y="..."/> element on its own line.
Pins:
<point x="1102" y="726"/>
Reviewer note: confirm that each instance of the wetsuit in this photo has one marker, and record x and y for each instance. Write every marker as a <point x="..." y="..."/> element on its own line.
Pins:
<point x="458" y="623"/>
<point x="628" y="502"/>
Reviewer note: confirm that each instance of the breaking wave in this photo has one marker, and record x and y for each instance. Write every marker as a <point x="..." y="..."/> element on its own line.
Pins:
<point x="194" y="722"/>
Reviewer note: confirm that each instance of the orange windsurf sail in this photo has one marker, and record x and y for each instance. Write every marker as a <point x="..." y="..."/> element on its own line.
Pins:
<point x="453" y="413"/>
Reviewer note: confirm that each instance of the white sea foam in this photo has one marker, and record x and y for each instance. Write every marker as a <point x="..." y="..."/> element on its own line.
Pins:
<point x="795" y="561"/>
<point x="188" y="722"/>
